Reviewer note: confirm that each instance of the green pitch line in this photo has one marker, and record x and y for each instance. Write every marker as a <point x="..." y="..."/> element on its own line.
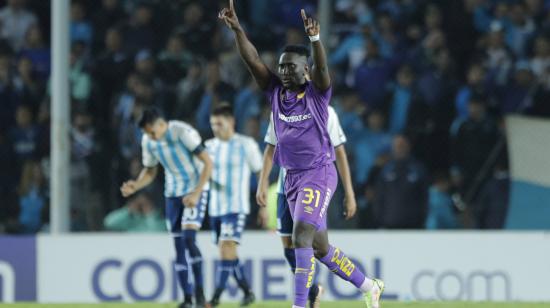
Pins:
<point x="341" y="304"/>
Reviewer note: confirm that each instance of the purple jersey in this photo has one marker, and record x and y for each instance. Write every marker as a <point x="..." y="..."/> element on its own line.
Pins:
<point x="300" y="122"/>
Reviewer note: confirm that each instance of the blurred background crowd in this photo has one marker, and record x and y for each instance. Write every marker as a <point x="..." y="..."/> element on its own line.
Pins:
<point x="421" y="89"/>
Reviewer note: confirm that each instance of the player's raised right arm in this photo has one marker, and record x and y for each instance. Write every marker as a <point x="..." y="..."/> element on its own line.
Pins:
<point x="248" y="52"/>
<point x="146" y="177"/>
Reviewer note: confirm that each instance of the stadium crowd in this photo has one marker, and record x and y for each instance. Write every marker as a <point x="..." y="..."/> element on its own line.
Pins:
<point x="421" y="89"/>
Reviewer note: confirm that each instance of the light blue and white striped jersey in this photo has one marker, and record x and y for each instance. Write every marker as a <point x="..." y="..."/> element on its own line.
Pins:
<point x="234" y="161"/>
<point x="335" y="131"/>
<point x="175" y="153"/>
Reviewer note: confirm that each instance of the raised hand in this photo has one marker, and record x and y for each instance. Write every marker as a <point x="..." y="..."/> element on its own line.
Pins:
<point x="311" y="25"/>
<point x="229" y="16"/>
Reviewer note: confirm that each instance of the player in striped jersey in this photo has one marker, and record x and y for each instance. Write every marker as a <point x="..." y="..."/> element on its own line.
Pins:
<point x="187" y="167"/>
<point x="284" y="219"/>
<point x="235" y="157"/>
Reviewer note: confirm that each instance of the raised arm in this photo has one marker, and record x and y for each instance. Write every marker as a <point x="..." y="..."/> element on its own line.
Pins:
<point x="248" y="52"/>
<point x="319" y="72"/>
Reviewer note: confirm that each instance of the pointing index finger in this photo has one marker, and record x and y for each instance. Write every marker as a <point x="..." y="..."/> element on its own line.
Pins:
<point x="231" y="6"/>
<point x="304" y="16"/>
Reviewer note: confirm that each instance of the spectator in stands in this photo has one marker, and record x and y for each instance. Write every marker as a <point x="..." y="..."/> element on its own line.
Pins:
<point x="110" y="71"/>
<point x="189" y="90"/>
<point x="139" y="32"/>
<point x="80" y="28"/>
<point x="216" y="91"/>
<point x="36" y="50"/>
<point x="497" y="57"/>
<point x="366" y="201"/>
<point x="540" y="63"/>
<point x="351" y="52"/>
<point x="138" y="215"/>
<point x="516" y="96"/>
<point x="388" y="38"/>
<point x="520" y="30"/>
<point x="106" y="17"/>
<point x="349" y="109"/>
<point x="437" y="85"/>
<point x="492" y="207"/>
<point x="441" y="212"/>
<point x="354" y="11"/>
<point x="421" y="56"/>
<point x="174" y="60"/>
<point x="32" y="197"/>
<point x="145" y="67"/>
<point x="80" y="80"/>
<point x="475" y="86"/>
<point x="472" y="139"/>
<point x="31" y="88"/>
<point x="248" y="102"/>
<point x="196" y="31"/>
<point x="372" y="76"/>
<point x="401" y="190"/>
<point x="432" y="116"/>
<point x="82" y="148"/>
<point x="129" y="141"/>
<point x="372" y="142"/>
<point x="24" y="137"/>
<point x="404" y="102"/>
<point x="16" y="21"/>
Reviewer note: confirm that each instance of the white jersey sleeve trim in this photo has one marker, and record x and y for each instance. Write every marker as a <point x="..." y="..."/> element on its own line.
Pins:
<point x="335" y="131"/>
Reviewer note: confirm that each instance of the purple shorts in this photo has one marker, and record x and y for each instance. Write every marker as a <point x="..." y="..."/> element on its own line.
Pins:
<point x="308" y="193"/>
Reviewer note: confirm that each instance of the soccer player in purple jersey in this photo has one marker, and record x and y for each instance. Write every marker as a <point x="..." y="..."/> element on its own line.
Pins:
<point x="300" y="109"/>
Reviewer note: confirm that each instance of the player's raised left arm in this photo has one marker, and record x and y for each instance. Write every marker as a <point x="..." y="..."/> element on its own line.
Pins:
<point x="345" y="175"/>
<point x="319" y="72"/>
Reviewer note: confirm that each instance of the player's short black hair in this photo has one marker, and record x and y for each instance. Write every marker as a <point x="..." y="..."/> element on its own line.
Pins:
<point x="149" y="116"/>
<point x="302" y="50"/>
<point x="222" y="109"/>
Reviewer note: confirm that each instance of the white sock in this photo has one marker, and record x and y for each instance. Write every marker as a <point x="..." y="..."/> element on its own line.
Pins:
<point x="294" y="306"/>
<point x="367" y="285"/>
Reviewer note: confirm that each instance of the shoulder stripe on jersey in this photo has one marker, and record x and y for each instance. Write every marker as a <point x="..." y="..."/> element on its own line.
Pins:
<point x="177" y="162"/>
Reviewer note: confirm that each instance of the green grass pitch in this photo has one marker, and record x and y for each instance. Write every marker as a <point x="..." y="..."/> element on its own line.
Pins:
<point x="344" y="304"/>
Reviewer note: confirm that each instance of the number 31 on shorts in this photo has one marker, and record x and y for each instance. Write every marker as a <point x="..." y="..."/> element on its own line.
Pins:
<point x="311" y="195"/>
